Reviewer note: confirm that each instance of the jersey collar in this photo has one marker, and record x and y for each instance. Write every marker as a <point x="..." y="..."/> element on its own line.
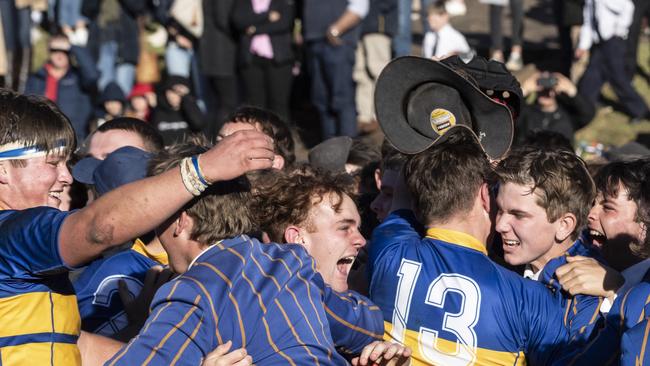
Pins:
<point x="456" y="238"/>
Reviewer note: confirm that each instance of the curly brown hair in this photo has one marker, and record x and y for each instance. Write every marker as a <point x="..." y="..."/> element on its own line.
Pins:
<point x="287" y="198"/>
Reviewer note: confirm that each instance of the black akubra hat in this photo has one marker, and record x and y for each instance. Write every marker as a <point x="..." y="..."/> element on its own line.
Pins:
<point x="418" y="100"/>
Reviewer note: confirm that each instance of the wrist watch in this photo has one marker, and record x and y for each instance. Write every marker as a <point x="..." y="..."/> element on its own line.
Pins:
<point x="334" y="32"/>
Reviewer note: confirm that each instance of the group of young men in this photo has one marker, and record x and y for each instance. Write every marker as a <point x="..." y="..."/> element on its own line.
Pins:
<point x="262" y="250"/>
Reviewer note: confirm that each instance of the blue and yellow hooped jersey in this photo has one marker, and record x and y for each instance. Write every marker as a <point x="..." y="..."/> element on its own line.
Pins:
<point x="39" y="320"/>
<point x="444" y="297"/>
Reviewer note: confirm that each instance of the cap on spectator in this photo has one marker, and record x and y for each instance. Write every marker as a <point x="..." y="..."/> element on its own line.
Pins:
<point x="140" y="90"/>
<point x="331" y="154"/>
<point x="418" y="100"/>
<point x="122" y="166"/>
<point x="112" y="91"/>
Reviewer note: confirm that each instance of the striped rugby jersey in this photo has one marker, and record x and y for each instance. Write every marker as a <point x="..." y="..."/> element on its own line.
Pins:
<point x="267" y="298"/>
<point x="628" y="310"/>
<point x="442" y="296"/>
<point x="39" y="320"/>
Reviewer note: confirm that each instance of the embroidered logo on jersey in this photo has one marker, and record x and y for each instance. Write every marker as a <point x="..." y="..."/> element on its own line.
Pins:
<point x="442" y="120"/>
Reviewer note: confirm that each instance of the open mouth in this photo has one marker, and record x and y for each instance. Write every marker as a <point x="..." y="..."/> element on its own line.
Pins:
<point x="55" y="194"/>
<point x="511" y="243"/>
<point x="598" y="238"/>
<point x="345" y="264"/>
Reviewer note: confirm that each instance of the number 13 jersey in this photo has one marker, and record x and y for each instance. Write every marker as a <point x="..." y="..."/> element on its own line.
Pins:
<point x="443" y="297"/>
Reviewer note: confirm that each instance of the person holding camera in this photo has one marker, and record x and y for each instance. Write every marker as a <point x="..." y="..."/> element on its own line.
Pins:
<point x="557" y="107"/>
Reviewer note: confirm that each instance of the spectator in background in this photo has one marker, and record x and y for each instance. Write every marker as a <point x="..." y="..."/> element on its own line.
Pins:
<point x="443" y="39"/>
<point x="568" y="15"/>
<point x="113" y="37"/>
<point x="331" y="31"/>
<point x="68" y="13"/>
<point x="141" y="102"/>
<point x="265" y="50"/>
<point x="217" y="60"/>
<point x="113" y="104"/>
<point x="558" y="107"/>
<point x="373" y="53"/>
<point x="17" y="24"/>
<point x="177" y="114"/>
<point x="641" y="10"/>
<point x="605" y="28"/>
<point x="70" y="87"/>
<point x="515" y="60"/>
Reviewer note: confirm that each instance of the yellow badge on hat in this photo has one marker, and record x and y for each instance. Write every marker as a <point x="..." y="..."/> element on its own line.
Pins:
<point x="442" y="120"/>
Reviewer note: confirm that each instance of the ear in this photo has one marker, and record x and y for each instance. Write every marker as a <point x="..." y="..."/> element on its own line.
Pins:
<point x="484" y="197"/>
<point x="566" y="226"/>
<point x="278" y="162"/>
<point x="292" y="234"/>
<point x="184" y="225"/>
<point x="378" y="178"/>
<point x="4" y="174"/>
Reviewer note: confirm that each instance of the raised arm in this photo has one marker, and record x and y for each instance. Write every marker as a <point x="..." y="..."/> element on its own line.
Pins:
<point x="139" y="207"/>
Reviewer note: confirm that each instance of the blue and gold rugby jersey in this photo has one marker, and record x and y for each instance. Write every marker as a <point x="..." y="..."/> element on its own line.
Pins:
<point x="100" y="305"/>
<point x="267" y="298"/>
<point x="628" y="310"/>
<point x="39" y="320"/>
<point x="634" y="345"/>
<point x="581" y="312"/>
<point x="444" y="297"/>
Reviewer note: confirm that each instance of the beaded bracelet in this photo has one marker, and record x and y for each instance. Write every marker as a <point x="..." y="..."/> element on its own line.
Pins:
<point x="192" y="178"/>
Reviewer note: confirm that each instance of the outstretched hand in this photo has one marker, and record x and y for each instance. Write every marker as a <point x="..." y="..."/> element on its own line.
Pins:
<point x="383" y="353"/>
<point x="221" y="357"/>
<point x="237" y="154"/>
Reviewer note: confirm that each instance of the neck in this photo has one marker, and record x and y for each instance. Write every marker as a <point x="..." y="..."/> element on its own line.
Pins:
<point x="468" y="224"/>
<point x="154" y="246"/>
<point x="555" y="251"/>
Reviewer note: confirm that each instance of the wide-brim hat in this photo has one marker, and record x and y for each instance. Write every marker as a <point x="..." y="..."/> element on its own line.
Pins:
<point x="419" y="100"/>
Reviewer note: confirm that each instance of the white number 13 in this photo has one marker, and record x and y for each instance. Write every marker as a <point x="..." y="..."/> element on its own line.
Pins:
<point x="460" y="324"/>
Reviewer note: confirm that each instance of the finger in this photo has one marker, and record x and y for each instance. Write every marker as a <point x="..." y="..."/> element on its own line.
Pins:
<point x="219" y="351"/>
<point x="365" y="353"/>
<point x="355" y="361"/>
<point x="391" y="351"/>
<point x="246" y="361"/>
<point x="407" y="352"/>
<point x="234" y="356"/>
<point x="576" y="258"/>
<point x="260" y="153"/>
<point x="378" y="351"/>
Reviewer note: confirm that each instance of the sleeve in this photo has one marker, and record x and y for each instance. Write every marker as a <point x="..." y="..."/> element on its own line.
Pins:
<point x="354" y="320"/>
<point x="359" y="7"/>
<point x="176" y="332"/>
<point x="30" y="244"/>
<point x="399" y="227"/>
<point x="287" y="11"/>
<point x="582" y="111"/>
<point x="634" y="343"/>
<point x="192" y="113"/>
<point x="221" y="14"/>
<point x="427" y="45"/>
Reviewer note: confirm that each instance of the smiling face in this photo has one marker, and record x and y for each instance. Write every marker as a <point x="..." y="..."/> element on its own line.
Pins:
<point x="39" y="182"/>
<point x="613" y="226"/>
<point x="528" y="236"/>
<point x="333" y="239"/>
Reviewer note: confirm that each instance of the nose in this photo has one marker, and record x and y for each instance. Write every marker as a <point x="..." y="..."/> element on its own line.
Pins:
<point x="501" y="225"/>
<point x="358" y="241"/>
<point x="593" y="213"/>
<point x="64" y="173"/>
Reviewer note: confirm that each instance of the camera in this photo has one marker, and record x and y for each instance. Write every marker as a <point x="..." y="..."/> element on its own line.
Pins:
<point x="547" y="82"/>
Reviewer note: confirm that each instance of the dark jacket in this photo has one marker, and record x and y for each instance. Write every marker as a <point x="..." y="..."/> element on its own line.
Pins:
<point x="217" y="46"/>
<point x="126" y="32"/>
<point x="75" y="89"/>
<point x="318" y="15"/>
<point x="174" y="126"/>
<point x="280" y="31"/>
<point x="571" y="115"/>
<point x="381" y="18"/>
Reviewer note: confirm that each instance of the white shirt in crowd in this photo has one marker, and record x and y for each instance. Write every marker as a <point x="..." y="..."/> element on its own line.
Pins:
<point x="446" y="41"/>
<point x="612" y="19"/>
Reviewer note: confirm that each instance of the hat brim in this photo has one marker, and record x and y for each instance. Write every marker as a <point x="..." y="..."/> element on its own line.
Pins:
<point x="84" y="169"/>
<point x="491" y="121"/>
